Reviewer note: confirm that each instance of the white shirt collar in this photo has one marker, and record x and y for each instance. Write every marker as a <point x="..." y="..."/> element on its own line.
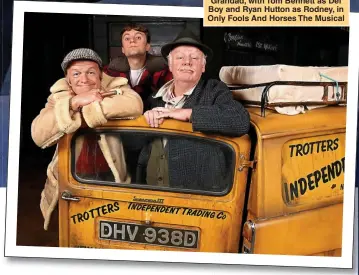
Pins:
<point x="168" y="87"/>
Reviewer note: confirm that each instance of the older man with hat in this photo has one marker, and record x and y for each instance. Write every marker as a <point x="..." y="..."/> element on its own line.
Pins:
<point x="85" y="93"/>
<point x="207" y="104"/>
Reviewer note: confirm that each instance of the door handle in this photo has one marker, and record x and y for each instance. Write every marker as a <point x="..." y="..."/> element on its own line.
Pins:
<point x="67" y="196"/>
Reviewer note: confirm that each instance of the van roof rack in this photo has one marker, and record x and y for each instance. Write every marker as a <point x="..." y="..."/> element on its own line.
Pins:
<point x="341" y="98"/>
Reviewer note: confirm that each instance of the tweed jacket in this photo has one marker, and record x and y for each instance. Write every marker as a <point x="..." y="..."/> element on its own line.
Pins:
<point x="155" y="75"/>
<point x="56" y="120"/>
<point x="195" y="164"/>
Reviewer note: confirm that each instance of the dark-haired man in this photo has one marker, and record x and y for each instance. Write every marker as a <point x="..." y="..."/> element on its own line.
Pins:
<point x="146" y="73"/>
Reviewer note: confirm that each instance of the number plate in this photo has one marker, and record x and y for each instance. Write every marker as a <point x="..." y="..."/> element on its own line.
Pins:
<point x="138" y="233"/>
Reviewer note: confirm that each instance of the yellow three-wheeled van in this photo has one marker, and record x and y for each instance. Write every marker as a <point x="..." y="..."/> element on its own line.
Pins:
<point x="281" y="189"/>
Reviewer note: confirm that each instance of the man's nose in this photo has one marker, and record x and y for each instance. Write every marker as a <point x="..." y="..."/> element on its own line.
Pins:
<point x="83" y="78"/>
<point x="187" y="60"/>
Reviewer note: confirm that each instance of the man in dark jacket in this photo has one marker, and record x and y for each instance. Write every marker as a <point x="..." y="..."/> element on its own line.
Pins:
<point x="146" y="73"/>
<point x="207" y="104"/>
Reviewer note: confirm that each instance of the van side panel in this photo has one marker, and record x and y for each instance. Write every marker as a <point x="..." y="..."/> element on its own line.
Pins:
<point x="296" y="193"/>
<point x="282" y="184"/>
<point x="304" y="233"/>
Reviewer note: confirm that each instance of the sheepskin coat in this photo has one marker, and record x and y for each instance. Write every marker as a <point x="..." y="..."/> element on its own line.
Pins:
<point x="57" y="119"/>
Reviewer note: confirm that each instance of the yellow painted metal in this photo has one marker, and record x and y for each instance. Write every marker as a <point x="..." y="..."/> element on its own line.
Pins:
<point x="305" y="233"/>
<point x="268" y="197"/>
<point x="295" y="204"/>
<point x="313" y="169"/>
<point x="330" y="253"/>
<point x="295" y="212"/>
<point x="276" y="125"/>
<point x="225" y="212"/>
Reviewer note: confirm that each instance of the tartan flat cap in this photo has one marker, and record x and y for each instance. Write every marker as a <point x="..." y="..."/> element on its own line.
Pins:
<point x="80" y="54"/>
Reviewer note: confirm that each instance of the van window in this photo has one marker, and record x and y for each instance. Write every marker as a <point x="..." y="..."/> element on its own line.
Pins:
<point x="152" y="160"/>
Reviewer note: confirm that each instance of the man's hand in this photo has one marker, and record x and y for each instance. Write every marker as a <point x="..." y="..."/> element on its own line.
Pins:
<point x="152" y="118"/>
<point x="179" y="114"/>
<point x="84" y="99"/>
<point x="156" y="116"/>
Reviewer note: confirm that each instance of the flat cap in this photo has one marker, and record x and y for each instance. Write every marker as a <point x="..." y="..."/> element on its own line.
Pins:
<point x="81" y="54"/>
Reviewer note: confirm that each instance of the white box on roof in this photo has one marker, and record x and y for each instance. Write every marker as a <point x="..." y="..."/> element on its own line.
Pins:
<point x="253" y="75"/>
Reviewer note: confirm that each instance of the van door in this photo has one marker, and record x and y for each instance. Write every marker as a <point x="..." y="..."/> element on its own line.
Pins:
<point x="158" y="189"/>
<point x="300" y="180"/>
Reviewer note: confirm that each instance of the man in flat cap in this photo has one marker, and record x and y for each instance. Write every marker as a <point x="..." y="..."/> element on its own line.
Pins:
<point x="81" y="94"/>
<point x="207" y="104"/>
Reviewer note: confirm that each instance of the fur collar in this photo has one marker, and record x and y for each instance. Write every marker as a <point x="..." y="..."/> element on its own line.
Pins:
<point x="153" y="63"/>
<point x="107" y="82"/>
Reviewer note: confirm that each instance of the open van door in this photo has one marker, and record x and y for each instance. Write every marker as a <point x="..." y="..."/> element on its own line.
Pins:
<point x="171" y="201"/>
